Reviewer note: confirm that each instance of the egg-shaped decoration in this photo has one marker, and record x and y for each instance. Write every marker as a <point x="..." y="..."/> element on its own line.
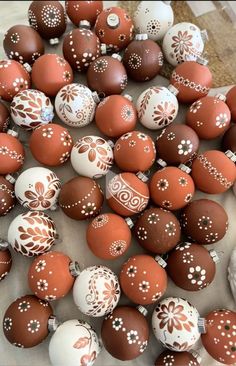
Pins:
<point x="12" y="153"/>
<point x="50" y="73"/>
<point x="153" y="18"/>
<point x="213" y="171"/>
<point x="13" y="78"/>
<point x="157" y="230"/>
<point x="177" y="144"/>
<point x="157" y="107"/>
<point x="230" y="100"/>
<point x="125" y="332"/>
<point x="229" y="139"/>
<point x="51" y="145"/>
<point x="142" y="279"/>
<point x="220" y="337"/>
<point x="31" y="108"/>
<point x="75" y="341"/>
<point x="23" y="44"/>
<point x="91" y="156"/>
<point x="7" y="194"/>
<point x="81" y="198"/>
<point x="4" y="117"/>
<point x="127" y="194"/>
<point x="107" y="75"/>
<point x="83" y="10"/>
<point x="96" y="291"/>
<point x="204" y="221"/>
<point x="173" y="358"/>
<point x="5" y="263"/>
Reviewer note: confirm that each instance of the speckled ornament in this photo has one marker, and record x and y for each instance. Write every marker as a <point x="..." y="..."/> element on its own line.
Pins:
<point x="12" y="153"/>
<point x="4" y="117"/>
<point x="230" y="100"/>
<point x="83" y="10"/>
<point x="5" y="263"/>
<point x="229" y="139"/>
<point x="173" y="358"/>
<point x="7" y="194"/>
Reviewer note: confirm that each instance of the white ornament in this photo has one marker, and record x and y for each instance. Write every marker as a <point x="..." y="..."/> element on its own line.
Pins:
<point x="157" y="107"/>
<point x="96" y="291"/>
<point x="37" y="189"/>
<point x="153" y="18"/>
<point x="92" y="156"/>
<point x="75" y="105"/>
<point x="232" y="273"/>
<point x="74" y="343"/>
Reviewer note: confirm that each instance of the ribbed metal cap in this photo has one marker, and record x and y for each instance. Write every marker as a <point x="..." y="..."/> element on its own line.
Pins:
<point x="113" y="20"/>
<point x="142" y="310"/>
<point x="162" y="163"/>
<point x="184" y="168"/>
<point x="214" y="256"/>
<point x="160" y="261"/>
<point x="53" y="323"/>
<point x="127" y="96"/>
<point x="142" y="176"/>
<point x="196" y="355"/>
<point x="204" y="35"/>
<point x="111" y="143"/>
<point x="84" y="24"/>
<point x="201" y="325"/>
<point x="103" y="48"/>
<point x="10" y="178"/>
<point x="4" y="244"/>
<point x="116" y="56"/>
<point x="53" y="41"/>
<point x="221" y="97"/>
<point x="141" y="37"/>
<point x="47" y="114"/>
<point x="173" y="89"/>
<point x="231" y="155"/>
<point x="129" y="222"/>
<point x="27" y="67"/>
<point x="96" y="97"/>
<point x="74" y="268"/>
<point x="54" y="207"/>
<point x="202" y="61"/>
<point x="12" y="133"/>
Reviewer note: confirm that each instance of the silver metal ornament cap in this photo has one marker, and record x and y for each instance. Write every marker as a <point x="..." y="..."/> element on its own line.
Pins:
<point x="196" y="355"/>
<point x="231" y="155"/>
<point x="129" y="222"/>
<point x="54" y="207"/>
<point x="84" y="24"/>
<point x="113" y="20"/>
<point x="4" y="244"/>
<point x="202" y="325"/>
<point x="53" y="323"/>
<point x="53" y="41"/>
<point x="111" y="144"/>
<point x="12" y="133"/>
<point x="95" y="97"/>
<point x="221" y="97"/>
<point x="74" y="269"/>
<point x="204" y="35"/>
<point x="214" y="256"/>
<point x="127" y="96"/>
<point x="202" y="61"/>
<point x="116" y="56"/>
<point x="162" y="163"/>
<point x="103" y="48"/>
<point x="160" y="261"/>
<point x="184" y="168"/>
<point x="173" y="89"/>
<point x="141" y="37"/>
<point x="27" y="67"/>
<point x="142" y="310"/>
<point x="47" y="114"/>
<point x="10" y="178"/>
<point x="142" y="176"/>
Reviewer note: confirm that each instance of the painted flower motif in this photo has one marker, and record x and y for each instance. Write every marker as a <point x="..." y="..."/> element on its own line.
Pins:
<point x="64" y="157"/>
<point x="143" y="346"/>
<point x="221" y="120"/>
<point x="33" y="326"/>
<point x="117" y="323"/>
<point x="39" y="197"/>
<point x="182" y="42"/>
<point x="7" y="324"/>
<point x="101" y="33"/>
<point x="135" y="61"/>
<point x="100" y="221"/>
<point x="66" y="138"/>
<point x="204" y="223"/>
<point x="196" y="275"/>
<point x="153" y="26"/>
<point x="69" y="93"/>
<point x="153" y="218"/>
<point x="100" y="65"/>
<point x="92" y="146"/>
<point x="40" y="265"/>
<point x="117" y="247"/>
<point x="13" y="154"/>
<point x="173" y="317"/>
<point x="132" y="143"/>
<point x="183" y="181"/>
<point x="142" y="136"/>
<point x="142" y="233"/>
<point x="42" y="285"/>
<point x="126" y="136"/>
<point x="122" y="37"/>
<point x="166" y="204"/>
<point x="131" y="271"/>
<point x="146" y="149"/>
<point x="195" y="106"/>
<point x="50" y="297"/>
<point x="66" y="75"/>
<point x="212" y="237"/>
<point x="47" y="132"/>
<point x="185" y="147"/>
<point x="164" y="114"/>
<point x="156" y="296"/>
<point x="61" y="61"/>
<point x="169" y="360"/>
<point x="162" y="184"/>
<point x="187" y="257"/>
<point x="170" y="228"/>
<point x="144" y="286"/>
<point x="132" y="336"/>
<point x="188" y="197"/>
<point x="171" y="136"/>
<point x="127" y="113"/>
<point x="24" y="306"/>
<point x="89" y="209"/>
<point x="111" y="292"/>
<point x="4" y="150"/>
<point x="19" y="84"/>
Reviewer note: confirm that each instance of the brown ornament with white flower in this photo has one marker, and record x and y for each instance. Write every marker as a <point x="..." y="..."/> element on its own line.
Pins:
<point x="5" y="263"/>
<point x="7" y="194"/>
<point x="173" y="358"/>
<point x="83" y="10"/>
<point x="4" y="117"/>
<point x="12" y="153"/>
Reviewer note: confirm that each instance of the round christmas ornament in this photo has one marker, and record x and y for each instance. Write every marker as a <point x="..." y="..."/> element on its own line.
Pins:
<point x="134" y="151"/>
<point x="204" y="221"/>
<point x="26" y="320"/>
<point x="107" y="75"/>
<point x="7" y="194"/>
<point x="153" y="18"/>
<point x="142" y="279"/>
<point x="50" y="73"/>
<point x="157" y="107"/>
<point x="220" y="337"/>
<point x="31" y="108"/>
<point x="13" y="78"/>
<point x="108" y="236"/>
<point x="230" y="100"/>
<point x="23" y="44"/>
<point x="96" y="291"/>
<point x="115" y="28"/>
<point x="81" y="198"/>
<point x="12" y="153"/>
<point x="48" y="18"/>
<point x="177" y="144"/>
<point x="229" y="139"/>
<point x="127" y="194"/>
<point x="172" y="358"/>
<point x="116" y="115"/>
<point x="75" y="342"/>
<point x="37" y="189"/>
<point x="32" y="233"/>
<point x="209" y="116"/>
<point x="171" y="187"/>
<point x="5" y="263"/>
<point x="51" y="145"/>
<point x="125" y="332"/>
<point x="4" y="117"/>
<point x="92" y="156"/>
<point x="214" y="172"/>
<point x="157" y="230"/>
<point x="83" y="10"/>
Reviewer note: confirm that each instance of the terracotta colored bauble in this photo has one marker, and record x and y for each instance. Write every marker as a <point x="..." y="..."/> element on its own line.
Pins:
<point x="220" y="337"/>
<point x="171" y="188"/>
<point x="125" y="332"/>
<point x="92" y="156"/>
<point x="32" y="233"/>
<point x="127" y="195"/>
<point x="157" y="230"/>
<point x="177" y="144"/>
<point x="51" y="145"/>
<point x="214" y="172"/>
<point x="175" y="324"/>
<point x="12" y="153"/>
<point x="81" y="198"/>
<point x="96" y="291"/>
<point x="4" y="117"/>
<point x="193" y="79"/>
<point x="31" y="108"/>
<point x="115" y="28"/>
<point x="13" y="78"/>
<point x="50" y="275"/>
<point x="75" y="341"/>
<point x="75" y="105"/>
<point x="204" y="221"/>
<point x="23" y="44"/>
<point x="143" y="58"/>
<point x="83" y="10"/>
<point x="134" y="151"/>
<point x="153" y="18"/>
<point x="5" y="263"/>
<point x="48" y="18"/>
<point x="7" y="194"/>
<point x="108" y="236"/>
<point x="229" y="139"/>
<point x="142" y="279"/>
<point x="157" y="107"/>
<point x="209" y="116"/>
<point x="25" y="322"/>
<point x="172" y="358"/>
<point x="116" y="115"/>
<point x="230" y="100"/>
<point x="50" y="73"/>
<point x="107" y="75"/>
<point x="191" y="266"/>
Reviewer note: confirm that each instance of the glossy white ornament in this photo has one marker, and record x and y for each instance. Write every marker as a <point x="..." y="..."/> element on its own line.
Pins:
<point x="74" y="343"/>
<point x="37" y="189"/>
<point x="153" y="18"/>
<point x="91" y="156"/>
<point x="96" y="291"/>
<point x="232" y="273"/>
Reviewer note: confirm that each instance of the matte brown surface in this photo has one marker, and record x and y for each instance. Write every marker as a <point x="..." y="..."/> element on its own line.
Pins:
<point x="229" y="139"/>
<point x="231" y="102"/>
<point x="5" y="263"/>
<point x="11" y="155"/>
<point x="176" y="359"/>
<point x="4" y="117"/>
<point x="83" y="10"/>
<point x="7" y="196"/>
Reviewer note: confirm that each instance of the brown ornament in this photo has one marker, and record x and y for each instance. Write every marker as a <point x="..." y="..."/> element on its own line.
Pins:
<point x="7" y="195"/>
<point x="230" y="100"/>
<point x="4" y="117"/>
<point x="83" y="10"/>
<point x="172" y="358"/>
<point x="5" y="263"/>
<point x="229" y="139"/>
<point x="12" y="153"/>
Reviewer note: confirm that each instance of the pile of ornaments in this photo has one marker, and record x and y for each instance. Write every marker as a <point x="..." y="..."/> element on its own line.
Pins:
<point x="104" y="45"/>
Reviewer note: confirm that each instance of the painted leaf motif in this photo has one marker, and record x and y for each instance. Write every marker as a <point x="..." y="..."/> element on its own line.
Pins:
<point x="87" y="359"/>
<point x="81" y="342"/>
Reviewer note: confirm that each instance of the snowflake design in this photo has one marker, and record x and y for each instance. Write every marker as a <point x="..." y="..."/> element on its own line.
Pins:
<point x="66" y="138"/>
<point x="171" y="136"/>
<point x="134" y="61"/>
<point x="47" y="132"/>
<point x="7" y="324"/>
<point x="132" y="143"/>
<point x="197" y="275"/>
<point x="15" y="38"/>
<point x="100" y="221"/>
<point x="24" y="306"/>
<point x="153" y="26"/>
<point x="195" y="106"/>
<point x="142" y="136"/>
<point x="144" y="286"/>
<point x="89" y="209"/>
<point x="131" y="271"/>
<point x="143" y="346"/>
<point x="153" y="218"/>
<point x="127" y="113"/>
<point x="211" y="237"/>
<point x="100" y="65"/>
<point x="132" y="336"/>
<point x="204" y="223"/>
<point x="19" y="84"/>
<point x="185" y="147"/>
<point x="221" y="120"/>
<point x="64" y="157"/>
<point x="170" y="228"/>
<point x="51" y="16"/>
<point x="117" y="323"/>
<point x="42" y="285"/>
<point x="162" y="184"/>
<point x="142" y="233"/>
<point x="33" y="326"/>
<point x="40" y="265"/>
<point x="187" y="257"/>
<point x="183" y="181"/>
<point x="117" y="248"/>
